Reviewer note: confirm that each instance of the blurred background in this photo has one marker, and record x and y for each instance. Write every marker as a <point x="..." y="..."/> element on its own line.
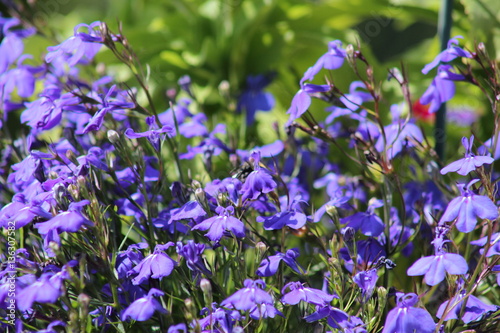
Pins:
<point x="225" y="41"/>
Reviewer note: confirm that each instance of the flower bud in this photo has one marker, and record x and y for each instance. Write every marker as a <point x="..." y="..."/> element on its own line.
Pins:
<point x="113" y="136"/>
<point x="206" y="286"/>
<point x="261" y="247"/>
<point x="332" y="211"/>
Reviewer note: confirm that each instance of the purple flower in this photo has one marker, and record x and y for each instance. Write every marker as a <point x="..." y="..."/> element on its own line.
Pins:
<point x="293" y="218"/>
<point x="223" y="224"/>
<point x="153" y="134"/>
<point x="398" y="135"/>
<point x="442" y="88"/>
<point x="69" y="221"/>
<point x="351" y="102"/>
<point x="468" y="208"/>
<point x="367" y="252"/>
<point x="299" y="293"/>
<point x="452" y="52"/>
<point x="332" y="59"/>
<point x="302" y="99"/>
<point x="258" y="181"/>
<point x="113" y="101"/>
<point x="192" y="253"/>
<point x="218" y="320"/>
<point x="157" y="265"/>
<point x="368" y="223"/>
<point x="143" y="308"/>
<point x="46" y="290"/>
<point x="254" y="99"/>
<point x="179" y="328"/>
<point x="50" y="327"/>
<point x="79" y="46"/>
<point x="366" y="281"/>
<point x="269" y="266"/>
<point x="251" y="295"/>
<point x="435" y="267"/>
<point x="494" y="244"/>
<point x="473" y="311"/>
<point x="406" y="318"/>
<point x="470" y="161"/>
<point x="338" y="319"/>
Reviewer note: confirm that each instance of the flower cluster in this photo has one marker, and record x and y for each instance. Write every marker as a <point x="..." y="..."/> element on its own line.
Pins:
<point x="130" y="218"/>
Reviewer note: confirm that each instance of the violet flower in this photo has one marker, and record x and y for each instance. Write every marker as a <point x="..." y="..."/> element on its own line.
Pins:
<point x="251" y="295"/>
<point x="69" y="221"/>
<point x="338" y="319"/>
<point x="302" y="100"/>
<point x="156" y="266"/>
<point x="473" y="311"/>
<point x="494" y="248"/>
<point x="77" y="47"/>
<point x="467" y="208"/>
<point x="297" y="292"/>
<point x="47" y="289"/>
<point x="398" y="135"/>
<point x="143" y="308"/>
<point x="153" y="134"/>
<point x="470" y="161"/>
<point x="192" y="253"/>
<point x="223" y="224"/>
<point x="435" y="267"/>
<point x="217" y="320"/>
<point x="367" y="222"/>
<point x="258" y="182"/>
<point x="406" y="318"/>
<point x="442" y="88"/>
<point x="254" y="99"/>
<point x="452" y="52"/>
<point x="366" y="281"/>
<point x="332" y="59"/>
<point x="269" y="266"/>
<point x="292" y="217"/>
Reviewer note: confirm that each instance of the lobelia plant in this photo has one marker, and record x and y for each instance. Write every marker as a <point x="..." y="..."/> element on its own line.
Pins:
<point x="99" y="185"/>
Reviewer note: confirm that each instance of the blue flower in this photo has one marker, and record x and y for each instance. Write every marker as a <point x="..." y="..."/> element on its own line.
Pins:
<point x="153" y="134"/>
<point x="143" y="308"/>
<point x="435" y="267"/>
<point x="494" y="248"/>
<point x="452" y="52"/>
<point x="406" y="318"/>
<point x="398" y="135"/>
<point x="470" y="161"/>
<point x="302" y="99"/>
<point x="299" y="293"/>
<point x="473" y="311"/>
<point x="254" y="99"/>
<point x="269" y="266"/>
<point x="292" y="217"/>
<point x="192" y="253"/>
<point x="78" y="46"/>
<point x="338" y="319"/>
<point x="442" y="88"/>
<point x="367" y="222"/>
<point x="468" y="207"/>
<point x="223" y="224"/>
<point x="332" y="59"/>
<point x="157" y="265"/>
<point x="366" y="281"/>
<point x="46" y="290"/>
<point x="251" y="295"/>
<point x="258" y="182"/>
<point x="69" y="221"/>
